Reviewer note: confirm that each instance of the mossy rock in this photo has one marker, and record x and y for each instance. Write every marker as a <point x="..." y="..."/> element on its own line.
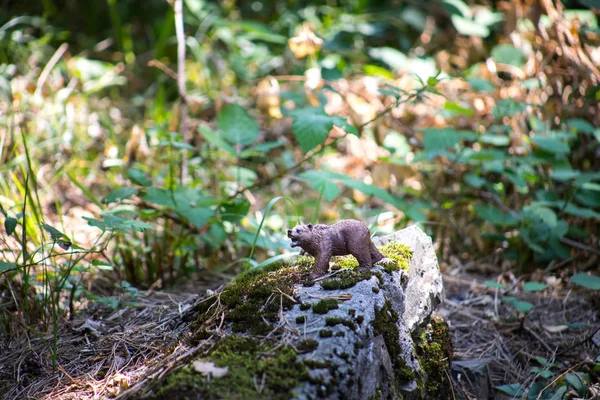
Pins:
<point x="280" y="338"/>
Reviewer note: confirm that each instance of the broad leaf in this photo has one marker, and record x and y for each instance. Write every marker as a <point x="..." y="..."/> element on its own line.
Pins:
<point x="494" y="215"/>
<point x="4" y="265"/>
<point x="513" y="389"/>
<point x="10" y="224"/>
<point x="534" y="287"/>
<point x="508" y="54"/>
<point x="54" y="233"/>
<point x="138" y="177"/>
<point x="550" y="144"/>
<point x="481" y="85"/>
<point x="119" y="194"/>
<point x="237" y="126"/>
<point x="492" y="284"/>
<point x="215" y="139"/>
<point x="322" y="184"/>
<point x="113" y="222"/>
<point x="311" y="126"/>
<point x="587" y="281"/>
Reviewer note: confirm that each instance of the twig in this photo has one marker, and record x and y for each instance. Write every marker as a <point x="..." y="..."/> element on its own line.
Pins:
<point x="539" y="339"/>
<point x="183" y="124"/>
<point x="589" y="337"/>
<point x="163" y="68"/>
<point x="48" y="68"/>
<point x="578" y="245"/>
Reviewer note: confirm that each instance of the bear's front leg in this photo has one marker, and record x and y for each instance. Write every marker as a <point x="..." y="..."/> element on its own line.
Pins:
<point x="321" y="266"/>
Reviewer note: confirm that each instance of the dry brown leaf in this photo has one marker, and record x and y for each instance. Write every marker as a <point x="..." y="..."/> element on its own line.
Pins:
<point x="305" y="42"/>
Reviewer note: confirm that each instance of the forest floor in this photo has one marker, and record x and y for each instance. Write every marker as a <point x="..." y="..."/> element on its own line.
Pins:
<point x="108" y="352"/>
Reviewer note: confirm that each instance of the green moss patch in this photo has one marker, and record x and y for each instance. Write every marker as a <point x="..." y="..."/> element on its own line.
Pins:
<point x="346" y="279"/>
<point x="323" y="306"/>
<point x="252" y="302"/>
<point x="399" y="253"/>
<point x="385" y="325"/>
<point x="248" y="362"/>
<point x="333" y="321"/>
<point x="434" y="351"/>
<point x="325" y="333"/>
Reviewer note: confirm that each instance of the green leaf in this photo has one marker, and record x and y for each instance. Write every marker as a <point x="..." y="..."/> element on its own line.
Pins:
<point x="544" y="214"/>
<point x="563" y="175"/>
<point x="523" y="306"/>
<point x="572" y="209"/>
<point x="54" y="233"/>
<point x="560" y="393"/>
<point x="474" y="180"/>
<point x="321" y="183"/>
<point x="5" y="266"/>
<point x="10" y="225"/>
<point x="508" y="54"/>
<point x="376" y="70"/>
<point x="587" y="281"/>
<point x="159" y="196"/>
<point x="260" y="149"/>
<point x="494" y="215"/>
<point x="495" y="285"/>
<point x="481" y="85"/>
<point x="311" y="126"/>
<point x="495" y="140"/>
<point x="237" y="126"/>
<point x="457" y="7"/>
<point x="235" y="210"/>
<point x="576" y="382"/>
<point x="436" y="140"/>
<point x="534" y="287"/>
<point x="454" y="107"/>
<point x="215" y="139"/>
<point x="469" y="27"/>
<point x="119" y="194"/>
<point x="581" y="125"/>
<point x="138" y="177"/>
<point x="390" y="56"/>
<point x="507" y="108"/>
<point x="113" y="222"/>
<point x="396" y="144"/>
<point x="550" y="144"/>
<point x="513" y="389"/>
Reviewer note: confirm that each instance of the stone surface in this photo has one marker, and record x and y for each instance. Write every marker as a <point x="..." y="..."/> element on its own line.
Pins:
<point x="425" y="290"/>
<point x="369" y="372"/>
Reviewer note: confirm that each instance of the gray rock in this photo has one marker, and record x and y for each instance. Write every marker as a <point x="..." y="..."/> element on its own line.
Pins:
<point x="425" y="290"/>
<point x="364" y="363"/>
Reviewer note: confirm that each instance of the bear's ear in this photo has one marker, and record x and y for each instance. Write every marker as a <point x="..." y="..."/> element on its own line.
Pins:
<point x="310" y="226"/>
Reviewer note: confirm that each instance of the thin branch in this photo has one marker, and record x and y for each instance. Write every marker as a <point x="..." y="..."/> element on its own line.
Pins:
<point x="183" y="124"/>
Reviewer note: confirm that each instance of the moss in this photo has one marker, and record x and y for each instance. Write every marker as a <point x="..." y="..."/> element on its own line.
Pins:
<point x="399" y="253"/>
<point x="359" y="319"/>
<point x="307" y="345"/>
<point x="252" y="302"/>
<point x="385" y="325"/>
<point x="352" y="312"/>
<point x="346" y="279"/>
<point x="375" y="289"/>
<point x="340" y="334"/>
<point x="325" y="333"/>
<point x="344" y="262"/>
<point x="300" y="319"/>
<point x="333" y="321"/>
<point x="434" y="352"/>
<point x="323" y="306"/>
<point x="305" y="306"/>
<point x="247" y="360"/>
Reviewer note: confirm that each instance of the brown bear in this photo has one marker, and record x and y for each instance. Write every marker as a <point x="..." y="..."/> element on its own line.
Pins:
<point x="324" y="241"/>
